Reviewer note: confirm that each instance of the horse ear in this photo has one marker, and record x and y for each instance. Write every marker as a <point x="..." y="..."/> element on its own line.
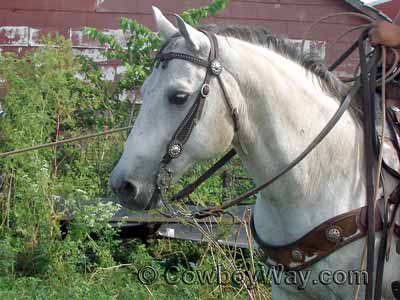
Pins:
<point x="165" y="28"/>
<point x="192" y="36"/>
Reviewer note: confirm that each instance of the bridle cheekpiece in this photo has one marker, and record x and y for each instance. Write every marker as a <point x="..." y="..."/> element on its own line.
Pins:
<point x="182" y="134"/>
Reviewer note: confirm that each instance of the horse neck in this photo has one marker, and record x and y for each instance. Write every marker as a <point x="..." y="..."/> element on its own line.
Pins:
<point x="283" y="108"/>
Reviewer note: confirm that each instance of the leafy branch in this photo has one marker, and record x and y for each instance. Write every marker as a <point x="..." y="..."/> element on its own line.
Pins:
<point x="140" y="42"/>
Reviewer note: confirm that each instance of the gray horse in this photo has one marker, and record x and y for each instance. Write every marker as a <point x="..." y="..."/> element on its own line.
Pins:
<point x="283" y="100"/>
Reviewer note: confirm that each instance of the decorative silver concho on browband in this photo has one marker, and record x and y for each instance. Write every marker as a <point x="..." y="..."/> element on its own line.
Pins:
<point x="216" y="67"/>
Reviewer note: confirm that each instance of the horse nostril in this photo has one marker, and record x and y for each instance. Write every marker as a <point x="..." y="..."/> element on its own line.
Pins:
<point x="128" y="190"/>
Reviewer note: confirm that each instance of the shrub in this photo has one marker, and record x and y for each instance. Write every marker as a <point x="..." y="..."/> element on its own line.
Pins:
<point x="45" y="101"/>
<point x="52" y="95"/>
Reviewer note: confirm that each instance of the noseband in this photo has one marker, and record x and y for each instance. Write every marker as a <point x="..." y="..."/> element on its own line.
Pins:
<point x="182" y="134"/>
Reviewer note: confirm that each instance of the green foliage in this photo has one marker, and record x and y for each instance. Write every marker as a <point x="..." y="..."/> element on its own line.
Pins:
<point x="121" y="281"/>
<point x="50" y="95"/>
<point x="134" y="53"/>
<point x="45" y="101"/>
<point x="194" y="16"/>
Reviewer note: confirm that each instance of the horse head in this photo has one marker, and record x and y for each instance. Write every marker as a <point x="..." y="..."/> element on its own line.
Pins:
<point x="169" y="95"/>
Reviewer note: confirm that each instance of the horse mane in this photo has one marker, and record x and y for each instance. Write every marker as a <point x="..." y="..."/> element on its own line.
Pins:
<point x="311" y="61"/>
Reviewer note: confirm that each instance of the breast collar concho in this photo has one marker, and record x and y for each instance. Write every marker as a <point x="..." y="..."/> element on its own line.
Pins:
<point x="182" y="134"/>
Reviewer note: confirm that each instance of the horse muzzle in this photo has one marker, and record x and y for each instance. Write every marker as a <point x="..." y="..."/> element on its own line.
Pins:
<point x="133" y="193"/>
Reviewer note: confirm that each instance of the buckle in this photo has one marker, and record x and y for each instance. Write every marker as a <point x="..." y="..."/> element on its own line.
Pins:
<point x="163" y="179"/>
<point x="205" y="90"/>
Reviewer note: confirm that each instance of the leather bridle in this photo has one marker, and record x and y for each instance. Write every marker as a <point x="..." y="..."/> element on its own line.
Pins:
<point x="180" y="137"/>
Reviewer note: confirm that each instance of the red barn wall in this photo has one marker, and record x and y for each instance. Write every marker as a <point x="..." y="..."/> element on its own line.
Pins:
<point x="391" y="8"/>
<point x="24" y="22"/>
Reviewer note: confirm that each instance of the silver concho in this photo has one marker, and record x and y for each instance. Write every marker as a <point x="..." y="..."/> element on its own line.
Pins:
<point x="297" y="255"/>
<point x="216" y="67"/>
<point x="174" y="150"/>
<point x="333" y="233"/>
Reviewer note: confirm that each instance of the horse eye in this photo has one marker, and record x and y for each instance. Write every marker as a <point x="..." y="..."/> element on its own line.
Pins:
<point x="178" y="98"/>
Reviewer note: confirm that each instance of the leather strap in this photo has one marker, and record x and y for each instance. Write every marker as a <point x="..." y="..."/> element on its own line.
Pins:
<point x="214" y="68"/>
<point x="396" y="289"/>
<point x="320" y="242"/>
<point x="368" y="120"/>
<point x="184" y="130"/>
<point x="190" y="188"/>
<point x="315" y="245"/>
<point x="393" y="228"/>
<point x="393" y="127"/>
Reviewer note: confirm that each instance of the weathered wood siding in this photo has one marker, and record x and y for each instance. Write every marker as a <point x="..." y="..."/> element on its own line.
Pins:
<point x="24" y="22"/>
